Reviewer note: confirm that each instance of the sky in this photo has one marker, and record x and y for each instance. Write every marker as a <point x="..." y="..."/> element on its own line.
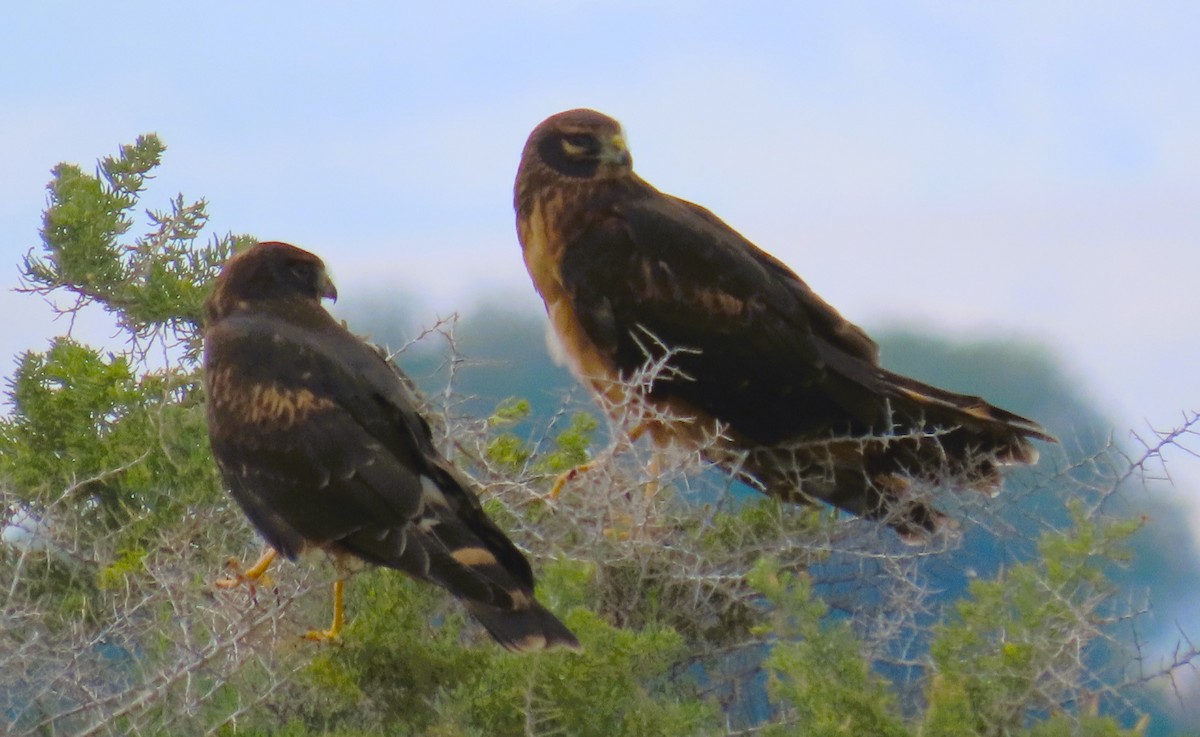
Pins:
<point x="1023" y="169"/>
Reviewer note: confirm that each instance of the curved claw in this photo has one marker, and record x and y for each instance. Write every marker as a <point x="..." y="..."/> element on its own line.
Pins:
<point x="253" y="577"/>
<point x="328" y="635"/>
<point x="568" y="476"/>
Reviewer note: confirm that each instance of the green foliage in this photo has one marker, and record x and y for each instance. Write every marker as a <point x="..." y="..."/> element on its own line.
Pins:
<point x="1090" y="725"/>
<point x="407" y="665"/>
<point x="511" y="452"/>
<point x="506" y="449"/>
<point x="817" y="674"/>
<point x="86" y="216"/>
<point x="155" y="285"/>
<point x="109" y="450"/>
<point x="509" y="411"/>
<point x="125" y="454"/>
<point x="86" y="422"/>
<point x="571" y="445"/>
<point x="757" y="519"/>
<point x="67" y="403"/>
<point x="1018" y="644"/>
<point x="102" y="439"/>
<point x="128" y="563"/>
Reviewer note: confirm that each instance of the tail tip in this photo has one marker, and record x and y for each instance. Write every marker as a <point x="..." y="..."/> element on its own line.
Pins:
<point x="532" y="629"/>
<point x="538" y="641"/>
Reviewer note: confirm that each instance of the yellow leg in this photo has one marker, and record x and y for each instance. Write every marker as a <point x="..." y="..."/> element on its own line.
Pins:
<point x="569" y="475"/>
<point x="251" y="576"/>
<point x="334" y="632"/>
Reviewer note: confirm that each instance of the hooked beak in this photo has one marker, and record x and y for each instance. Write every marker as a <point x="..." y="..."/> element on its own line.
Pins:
<point x="329" y="291"/>
<point x="615" y="151"/>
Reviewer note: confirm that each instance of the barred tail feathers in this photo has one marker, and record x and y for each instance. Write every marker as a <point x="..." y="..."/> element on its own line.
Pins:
<point x="475" y="560"/>
<point x="452" y="543"/>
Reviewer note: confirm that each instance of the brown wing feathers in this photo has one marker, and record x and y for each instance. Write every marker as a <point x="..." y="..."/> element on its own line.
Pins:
<point x="796" y="387"/>
<point x="320" y="442"/>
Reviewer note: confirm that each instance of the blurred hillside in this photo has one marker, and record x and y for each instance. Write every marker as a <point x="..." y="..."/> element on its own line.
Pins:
<point x="502" y="353"/>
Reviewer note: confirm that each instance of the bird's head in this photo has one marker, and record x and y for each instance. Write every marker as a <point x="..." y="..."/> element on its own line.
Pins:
<point x="269" y="271"/>
<point x="579" y="144"/>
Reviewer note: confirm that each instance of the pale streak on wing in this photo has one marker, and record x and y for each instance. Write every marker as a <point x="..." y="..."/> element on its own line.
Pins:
<point x="475" y="557"/>
<point x="265" y="403"/>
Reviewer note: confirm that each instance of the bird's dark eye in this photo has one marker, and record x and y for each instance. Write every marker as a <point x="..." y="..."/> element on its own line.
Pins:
<point x="303" y="271"/>
<point x="580" y="145"/>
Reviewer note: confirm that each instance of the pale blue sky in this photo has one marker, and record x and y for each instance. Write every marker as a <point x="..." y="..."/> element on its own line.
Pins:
<point x="1031" y="168"/>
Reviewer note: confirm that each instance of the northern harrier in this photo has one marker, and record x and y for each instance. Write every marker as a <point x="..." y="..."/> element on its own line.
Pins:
<point x="763" y="376"/>
<point x="318" y="438"/>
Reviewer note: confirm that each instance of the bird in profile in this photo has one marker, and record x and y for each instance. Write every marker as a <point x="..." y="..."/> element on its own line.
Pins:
<point x="761" y="375"/>
<point x="318" y="438"/>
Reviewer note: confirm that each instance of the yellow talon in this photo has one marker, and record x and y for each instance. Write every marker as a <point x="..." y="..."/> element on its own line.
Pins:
<point x="567" y="476"/>
<point x="334" y="633"/>
<point x="329" y="635"/>
<point x="254" y="576"/>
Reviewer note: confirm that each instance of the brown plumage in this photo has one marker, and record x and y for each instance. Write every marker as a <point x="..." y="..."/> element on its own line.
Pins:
<point x="318" y="438"/>
<point x="791" y="391"/>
